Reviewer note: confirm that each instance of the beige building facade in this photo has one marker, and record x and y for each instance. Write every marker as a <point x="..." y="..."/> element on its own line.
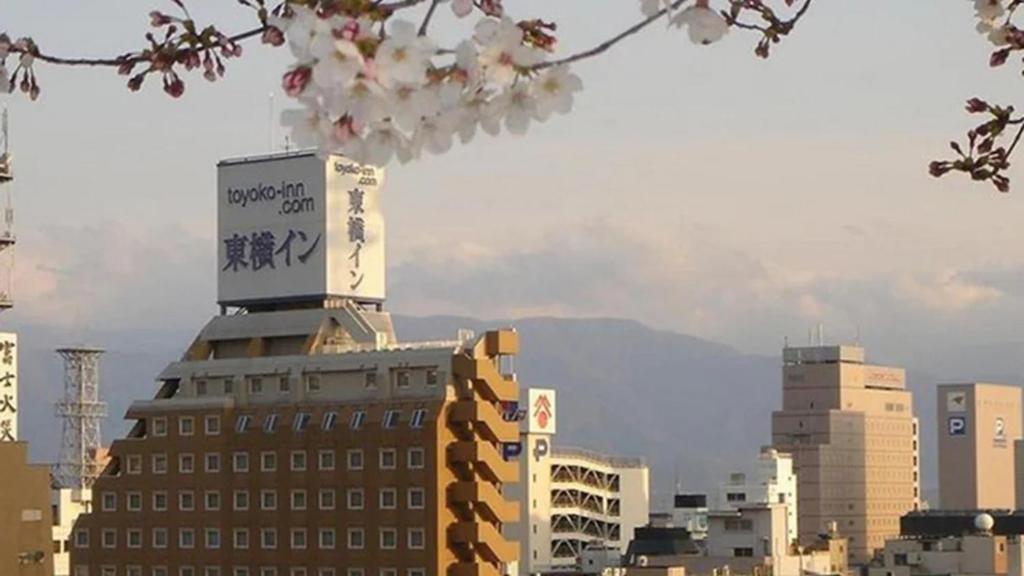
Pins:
<point x="978" y="425"/>
<point x="25" y="516"/>
<point x="851" y="430"/>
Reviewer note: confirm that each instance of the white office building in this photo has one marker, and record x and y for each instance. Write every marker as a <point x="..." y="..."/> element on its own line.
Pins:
<point x="771" y="481"/>
<point x="571" y="499"/>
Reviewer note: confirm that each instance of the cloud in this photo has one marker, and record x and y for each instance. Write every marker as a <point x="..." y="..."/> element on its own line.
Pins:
<point x="946" y="291"/>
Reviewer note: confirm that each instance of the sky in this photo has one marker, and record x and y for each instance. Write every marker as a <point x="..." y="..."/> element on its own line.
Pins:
<point x="696" y="189"/>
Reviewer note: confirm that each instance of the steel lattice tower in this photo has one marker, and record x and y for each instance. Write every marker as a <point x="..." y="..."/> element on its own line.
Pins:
<point x="82" y="412"/>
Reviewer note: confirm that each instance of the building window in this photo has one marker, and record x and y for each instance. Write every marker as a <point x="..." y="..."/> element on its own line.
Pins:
<point x="186" y="538"/>
<point x="284" y="385"/>
<point x="355" y="459"/>
<point x="268" y="461"/>
<point x="134" y="464"/>
<point x="255" y="386"/>
<point x="298" y="461"/>
<point x="133" y="571"/>
<point x="242" y="424"/>
<point x="159" y="537"/>
<point x="134" y="501"/>
<point x="402" y="379"/>
<point x="186" y="571"/>
<point x="186" y="425"/>
<point x="391" y="418"/>
<point x="134" y="538"/>
<point x="313" y="383"/>
<point x="186" y="501"/>
<point x="213" y="462"/>
<point x="416" y="572"/>
<point x="325" y="460"/>
<point x="358" y="417"/>
<point x="431" y="377"/>
<point x="355" y="572"/>
<point x="268" y="538"/>
<point x="241" y="537"/>
<point x="327" y="539"/>
<point x="268" y="571"/>
<point x="416" y="498"/>
<point x="418" y="417"/>
<point x="212" y="538"/>
<point x="268" y="500"/>
<point x="301" y="421"/>
<point x="736" y="497"/>
<point x="388" y="499"/>
<point x="241" y="571"/>
<point x="159" y="501"/>
<point x="389" y="572"/>
<point x="270" y="423"/>
<point x="211" y="571"/>
<point x="81" y="570"/>
<point x="743" y="552"/>
<point x="212" y="503"/>
<point x="109" y="502"/>
<point x="330" y="418"/>
<point x="159" y="462"/>
<point x="326" y="572"/>
<point x="108" y="571"/>
<point x="298" y="538"/>
<point x="159" y="571"/>
<point x="212" y="425"/>
<point x="370" y="380"/>
<point x="229" y="385"/>
<point x="240" y="461"/>
<point x="241" y="500"/>
<point x="109" y="538"/>
<point x="200" y="387"/>
<point x="417" y="539"/>
<point x="356" y="539"/>
<point x="159" y="426"/>
<point x="298" y="499"/>
<point x="415" y="458"/>
<point x="355" y="499"/>
<point x="82" y="538"/>
<point x="387" y="459"/>
<point x="186" y="463"/>
<point x="388" y="538"/>
<point x="326" y="499"/>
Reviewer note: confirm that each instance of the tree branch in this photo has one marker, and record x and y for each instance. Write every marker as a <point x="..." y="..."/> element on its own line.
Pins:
<point x="426" y="19"/>
<point x="607" y="44"/>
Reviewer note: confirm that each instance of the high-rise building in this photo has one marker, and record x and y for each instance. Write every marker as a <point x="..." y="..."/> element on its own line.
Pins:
<point x="571" y="499"/>
<point x="297" y="436"/>
<point x="851" y="430"/>
<point x="978" y="426"/>
<point x="772" y="481"/>
<point x="25" y="516"/>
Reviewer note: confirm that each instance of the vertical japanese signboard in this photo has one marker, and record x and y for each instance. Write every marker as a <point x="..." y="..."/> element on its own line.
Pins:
<point x="298" y="227"/>
<point x="541" y="411"/>
<point x="8" y="387"/>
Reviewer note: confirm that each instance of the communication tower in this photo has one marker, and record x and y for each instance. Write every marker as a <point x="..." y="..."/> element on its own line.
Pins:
<point x="7" y="224"/>
<point x="81" y="410"/>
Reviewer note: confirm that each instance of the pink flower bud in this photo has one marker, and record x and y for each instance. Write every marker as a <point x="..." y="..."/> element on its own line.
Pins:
<point x="295" y="81"/>
<point x="158" y="19"/>
<point x="273" y="36"/>
<point x="174" y="86"/>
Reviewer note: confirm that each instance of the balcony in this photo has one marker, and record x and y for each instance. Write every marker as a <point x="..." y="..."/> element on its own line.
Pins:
<point x="488" y="420"/>
<point x="486" y="378"/>
<point x="486" y="540"/>
<point x="485" y="458"/>
<point x="485" y="499"/>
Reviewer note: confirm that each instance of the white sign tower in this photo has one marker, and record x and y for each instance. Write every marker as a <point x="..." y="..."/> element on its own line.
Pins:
<point x="8" y="340"/>
<point x="297" y="228"/>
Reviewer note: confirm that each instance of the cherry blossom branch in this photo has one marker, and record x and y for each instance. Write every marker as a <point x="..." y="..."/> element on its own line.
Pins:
<point x="426" y="19"/>
<point x="608" y="44"/>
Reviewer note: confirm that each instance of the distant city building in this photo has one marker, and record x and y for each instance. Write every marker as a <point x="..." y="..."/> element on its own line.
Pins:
<point x="750" y="540"/>
<point x="772" y="481"/>
<point x="297" y="435"/>
<point x="973" y="551"/>
<point x="978" y="425"/>
<point x="851" y="430"/>
<point x="570" y="498"/>
<point x="25" y="517"/>
<point x="67" y="505"/>
<point x="689" y="511"/>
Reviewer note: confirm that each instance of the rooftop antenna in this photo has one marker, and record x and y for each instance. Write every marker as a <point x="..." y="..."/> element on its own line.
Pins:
<point x="821" y="334"/>
<point x="270" y="123"/>
<point x="856" y="337"/>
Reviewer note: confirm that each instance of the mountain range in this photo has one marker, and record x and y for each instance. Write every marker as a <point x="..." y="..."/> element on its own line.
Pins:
<point x="696" y="410"/>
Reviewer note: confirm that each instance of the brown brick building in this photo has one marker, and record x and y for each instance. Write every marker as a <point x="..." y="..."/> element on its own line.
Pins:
<point x="25" y="516"/>
<point x="309" y="442"/>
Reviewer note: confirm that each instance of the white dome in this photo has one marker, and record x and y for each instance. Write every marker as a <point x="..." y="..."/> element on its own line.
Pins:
<point x="984" y="522"/>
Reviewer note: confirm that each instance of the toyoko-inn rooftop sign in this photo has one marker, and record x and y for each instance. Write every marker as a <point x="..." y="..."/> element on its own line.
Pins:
<point x="294" y="227"/>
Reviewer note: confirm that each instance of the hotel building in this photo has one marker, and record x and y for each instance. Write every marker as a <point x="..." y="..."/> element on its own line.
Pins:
<point x="297" y="436"/>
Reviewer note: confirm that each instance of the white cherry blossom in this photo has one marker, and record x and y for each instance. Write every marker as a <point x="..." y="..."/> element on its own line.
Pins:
<point x="404" y="56"/>
<point x="515" y="107"/>
<point x="309" y="128"/>
<point x="337" y="61"/>
<point x="704" y="25"/>
<point x="554" y="91"/>
<point x="462" y="8"/>
<point x="503" y="52"/>
<point x="989" y="10"/>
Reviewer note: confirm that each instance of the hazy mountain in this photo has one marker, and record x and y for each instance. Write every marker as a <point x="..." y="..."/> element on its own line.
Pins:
<point x="696" y="410"/>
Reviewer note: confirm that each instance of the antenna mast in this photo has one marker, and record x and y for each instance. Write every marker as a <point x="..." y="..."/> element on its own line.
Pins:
<point x="82" y="412"/>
